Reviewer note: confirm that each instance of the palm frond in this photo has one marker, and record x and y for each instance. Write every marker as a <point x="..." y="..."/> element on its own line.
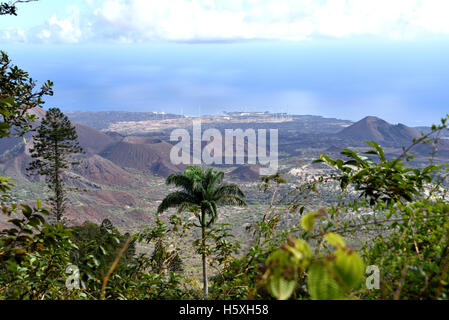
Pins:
<point x="203" y="189"/>
<point x="228" y="189"/>
<point x="212" y="180"/>
<point x="232" y="201"/>
<point x="197" y="175"/>
<point x="175" y="200"/>
<point x="180" y="180"/>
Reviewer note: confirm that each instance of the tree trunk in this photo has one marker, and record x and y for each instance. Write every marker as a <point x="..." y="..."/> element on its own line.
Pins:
<point x="57" y="183"/>
<point x="205" y="285"/>
<point x="58" y="196"/>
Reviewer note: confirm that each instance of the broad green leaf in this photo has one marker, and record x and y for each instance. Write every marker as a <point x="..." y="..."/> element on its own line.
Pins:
<point x="321" y="284"/>
<point x="301" y="251"/>
<point x="281" y="288"/>
<point x="335" y="240"/>
<point x="349" y="267"/>
<point x="303" y="247"/>
<point x="26" y="210"/>
<point x="308" y="221"/>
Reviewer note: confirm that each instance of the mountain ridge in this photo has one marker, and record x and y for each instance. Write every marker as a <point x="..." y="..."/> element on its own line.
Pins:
<point x="376" y="129"/>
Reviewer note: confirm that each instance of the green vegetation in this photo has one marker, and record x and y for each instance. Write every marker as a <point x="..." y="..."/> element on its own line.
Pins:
<point x="389" y="215"/>
<point x="17" y="97"/>
<point x="202" y="192"/>
<point x="54" y="145"/>
<point x="395" y="216"/>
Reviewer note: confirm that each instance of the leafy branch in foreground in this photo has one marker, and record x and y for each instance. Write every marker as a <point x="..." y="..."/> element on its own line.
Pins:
<point x="396" y="214"/>
<point x="17" y="97"/>
<point x="10" y="8"/>
<point x="385" y="180"/>
<point x="331" y="275"/>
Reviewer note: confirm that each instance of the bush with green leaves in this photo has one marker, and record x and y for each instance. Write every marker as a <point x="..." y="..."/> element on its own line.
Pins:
<point x="392" y="211"/>
<point x="33" y="256"/>
<point x="96" y="247"/>
<point x="396" y="213"/>
<point x="413" y="254"/>
<point x="17" y="97"/>
<point x="240" y="277"/>
<point x="332" y="274"/>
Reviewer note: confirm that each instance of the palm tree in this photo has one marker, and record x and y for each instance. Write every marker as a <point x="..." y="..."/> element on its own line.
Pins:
<point x="202" y="191"/>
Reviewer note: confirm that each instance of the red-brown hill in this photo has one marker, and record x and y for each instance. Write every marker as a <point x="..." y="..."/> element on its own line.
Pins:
<point x="373" y="128"/>
<point x="142" y="153"/>
<point x="246" y="173"/>
<point x="103" y="171"/>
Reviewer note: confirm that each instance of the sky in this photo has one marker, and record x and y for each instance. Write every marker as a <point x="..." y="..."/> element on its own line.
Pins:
<point x="345" y="59"/>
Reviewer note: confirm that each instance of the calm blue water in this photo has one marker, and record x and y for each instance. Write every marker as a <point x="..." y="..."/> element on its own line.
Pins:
<point x="398" y="81"/>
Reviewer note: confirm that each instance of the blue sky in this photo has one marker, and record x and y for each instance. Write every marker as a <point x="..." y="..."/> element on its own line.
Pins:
<point x="344" y="59"/>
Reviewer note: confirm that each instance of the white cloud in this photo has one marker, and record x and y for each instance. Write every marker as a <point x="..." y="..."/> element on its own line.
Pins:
<point x="214" y="20"/>
<point x="13" y="34"/>
<point x="234" y="20"/>
<point x="66" y="30"/>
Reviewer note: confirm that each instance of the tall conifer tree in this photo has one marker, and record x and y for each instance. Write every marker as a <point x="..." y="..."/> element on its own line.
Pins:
<point x="54" y="146"/>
